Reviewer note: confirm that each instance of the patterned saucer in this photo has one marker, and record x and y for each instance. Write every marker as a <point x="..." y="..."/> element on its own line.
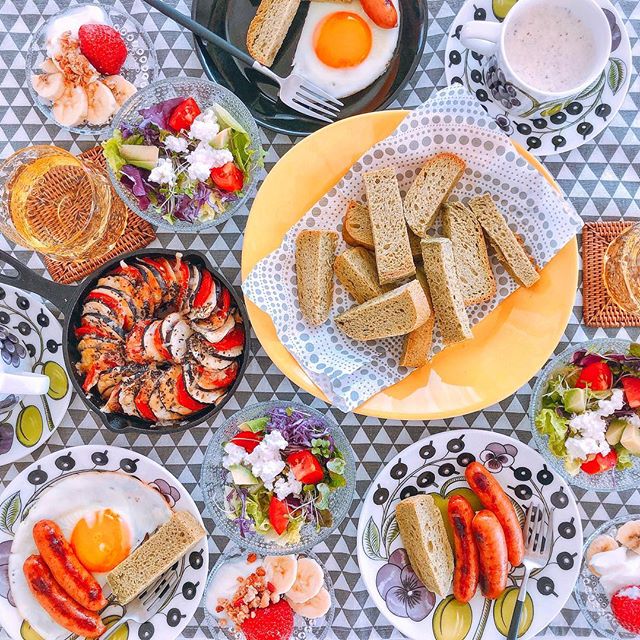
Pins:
<point x="550" y="127"/>
<point x="188" y="576"/>
<point x="30" y="423"/>
<point x="436" y="466"/>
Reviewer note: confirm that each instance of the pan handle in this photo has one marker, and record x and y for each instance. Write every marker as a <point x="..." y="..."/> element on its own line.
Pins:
<point x="59" y="294"/>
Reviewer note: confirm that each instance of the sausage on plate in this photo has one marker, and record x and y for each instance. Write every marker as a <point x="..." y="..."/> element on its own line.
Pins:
<point x="466" y="573"/>
<point x="492" y="550"/>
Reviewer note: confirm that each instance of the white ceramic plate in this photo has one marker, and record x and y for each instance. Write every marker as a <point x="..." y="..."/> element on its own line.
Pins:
<point x="436" y="465"/>
<point x="189" y="575"/>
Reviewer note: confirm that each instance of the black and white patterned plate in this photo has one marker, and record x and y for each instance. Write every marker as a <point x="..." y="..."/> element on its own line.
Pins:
<point x="550" y="127"/>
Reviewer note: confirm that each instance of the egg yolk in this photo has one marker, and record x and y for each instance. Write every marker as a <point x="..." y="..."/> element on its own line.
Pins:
<point x="102" y="542"/>
<point x="342" y="39"/>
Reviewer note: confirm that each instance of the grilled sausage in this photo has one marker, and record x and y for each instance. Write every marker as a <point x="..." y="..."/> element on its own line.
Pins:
<point x="382" y="12"/>
<point x="492" y="550"/>
<point x="466" y="573"/>
<point x="62" y="609"/>
<point x="65" y="566"/>
<point x="493" y="497"/>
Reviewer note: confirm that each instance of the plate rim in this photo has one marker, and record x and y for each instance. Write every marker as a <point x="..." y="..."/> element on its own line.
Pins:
<point x="296" y="374"/>
<point x="446" y="434"/>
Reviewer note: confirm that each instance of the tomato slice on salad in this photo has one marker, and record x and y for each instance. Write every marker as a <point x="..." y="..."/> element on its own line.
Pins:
<point x="305" y="467"/>
<point x="600" y="463"/>
<point x="278" y="515"/>
<point x="247" y="440"/>
<point x="184" y="114"/>
<point x="631" y="388"/>
<point x="227" y="177"/>
<point x="597" y="376"/>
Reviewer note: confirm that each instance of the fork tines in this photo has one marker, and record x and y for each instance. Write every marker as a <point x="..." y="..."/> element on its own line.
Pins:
<point x="537" y="530"/>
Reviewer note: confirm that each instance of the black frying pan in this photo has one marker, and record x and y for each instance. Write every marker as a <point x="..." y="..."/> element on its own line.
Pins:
<point x="69" y="300"/>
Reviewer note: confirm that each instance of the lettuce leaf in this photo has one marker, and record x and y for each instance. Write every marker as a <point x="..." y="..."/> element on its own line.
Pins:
<point x="243" y="154"/>
<point x="624" y="458"/>
<point x="549" y="423"/>
<point x="258" y="509"/>
<point x="111" y="151"/>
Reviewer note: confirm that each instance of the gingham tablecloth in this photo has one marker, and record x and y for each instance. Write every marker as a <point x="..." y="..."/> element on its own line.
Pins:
<point x="600" y="178"/>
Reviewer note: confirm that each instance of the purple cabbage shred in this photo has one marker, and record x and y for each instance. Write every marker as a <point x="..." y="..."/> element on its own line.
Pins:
<point x="159" y="113"/>
<point x="297" y="428"/>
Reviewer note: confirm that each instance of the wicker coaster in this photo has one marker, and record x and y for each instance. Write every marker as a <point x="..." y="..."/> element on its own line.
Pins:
<point x="137" y="234"/>
<point x="598" y="308"/>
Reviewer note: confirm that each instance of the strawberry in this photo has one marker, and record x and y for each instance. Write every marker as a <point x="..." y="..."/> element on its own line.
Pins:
<point x="625" y="606"/>
<point x="274" y="622"/>
<point x="104" y="47"/>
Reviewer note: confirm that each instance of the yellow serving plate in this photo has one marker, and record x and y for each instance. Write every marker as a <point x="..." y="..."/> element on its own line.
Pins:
<point x="509" y="346"/>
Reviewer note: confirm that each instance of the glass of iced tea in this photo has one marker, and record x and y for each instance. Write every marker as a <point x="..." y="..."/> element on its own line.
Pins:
<point x="54" y="203"/>
<point x="621" y="269"/>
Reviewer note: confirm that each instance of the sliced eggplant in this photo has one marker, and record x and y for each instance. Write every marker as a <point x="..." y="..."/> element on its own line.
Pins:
<point x="205" y="310"/>
<point x="95" y="306"/>
<point x="177" y="340"/>
<point x="111" y="377"/>
<point x="135" y="343"/>
<point x="215" y="335"/>
<point x="201" y="395"/>
<point x="160" y="411"/>
<point x="112" y="405"/>
<point x="103" y="323"/>
<point x="128" y="390"/>
<point x="201" y="353"/>
<point x="149" y="342"/>
<point x="195" y="278"/>
<point x="142" y="290"/>
<point x="211" y="379"/>
<point x="154" y="280"/>
<point x="126" y="310"/>
<point x="167" y="386"/>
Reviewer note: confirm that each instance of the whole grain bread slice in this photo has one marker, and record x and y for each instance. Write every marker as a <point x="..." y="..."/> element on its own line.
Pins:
<point x="446" y="294"/>
<point x="356" y="270"/>
<point x="392" y="314"/>
<point x="470" y="253"/>
<point x="424" y="536"/>
<point x="269" y="28"/>
<point x="390" y="237"/>
<point x="416" y="349"/>
<point x="315" y="255"/>
<point x="432" y="186"/>
<point x="357" y="232"/>
<point x="506" y="244"/>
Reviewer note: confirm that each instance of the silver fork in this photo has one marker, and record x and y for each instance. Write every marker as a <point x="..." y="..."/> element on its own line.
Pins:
<point x="537" y="548"/>
<point x="295" y="91"/>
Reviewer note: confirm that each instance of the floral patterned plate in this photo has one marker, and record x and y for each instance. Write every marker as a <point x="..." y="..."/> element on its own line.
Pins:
<point x="435" y="466"/>
<point x="30" y="423"/>
<point x="188" y="576"/>
<point x="552" y="127"/>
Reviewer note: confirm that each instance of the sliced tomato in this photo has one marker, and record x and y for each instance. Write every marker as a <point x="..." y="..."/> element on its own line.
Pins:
<point x="181" y="270"/>
<point x="91" y="379"/>
<point x="600" y="463"/>
<point x="184" y="114"/>
<point x="144" y="409"/>
<point x="204" y="290"/>
<point x="305" y="467"/>
<point x="163" y="266"/>
<point x="135" y="344"/>
<point x="227" y="177"/>
<point x="209" y="379"/>
<point x="631" y="388"/>
<point x="247" y="440"/>
<point x="158" y="342"/>
<point x="234" y="338"/>
<point x="597" y="376"/>
<point x="91" y="330"/>
<point x="183" y="397"/>
<point x="221" y="311"/>
<point x="278" y="515"/>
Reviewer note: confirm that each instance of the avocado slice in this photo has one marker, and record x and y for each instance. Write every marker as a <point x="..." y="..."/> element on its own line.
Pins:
<point x="630" y="439"/>
<point x="256" y="425"/>
<point x="242" y="476"/>
<point x="222" y="139"/>
<point x="615" y="430"/>
<point x="225" y="119"/>
<point x="575" y="400"/>
<point x="140" y="155"/>
<point x="572" y="466"/>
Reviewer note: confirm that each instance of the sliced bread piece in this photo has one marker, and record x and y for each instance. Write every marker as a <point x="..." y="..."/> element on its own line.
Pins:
<point x="446" y="294"/>
<point x="424" y="536"/>
<point x="433" y="185"/>
<point x="315" y="254"/>
<point x="356" y="270"/>
<point x="416" y="350"/>
<point x="505" y="243"/>
<point x="390" y="237"/>
<point x="356" y="229"/>
<point x="392" y="314"/>
<point x="269" y="28"/>
<point x="470" y="253"/>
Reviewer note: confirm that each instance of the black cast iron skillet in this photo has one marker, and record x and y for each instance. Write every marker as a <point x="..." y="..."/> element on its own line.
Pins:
<point x="69" y="299"/>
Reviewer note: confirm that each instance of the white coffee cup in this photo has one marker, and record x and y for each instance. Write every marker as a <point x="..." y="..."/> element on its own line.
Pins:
<point x="516" y="94"/>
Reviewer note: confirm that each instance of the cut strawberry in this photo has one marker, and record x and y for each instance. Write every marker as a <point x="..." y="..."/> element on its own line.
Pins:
<point x="597" y="376"/>
<point x="600" y="463"/>
<point x="204" y="290"/>
<point x="183" y="397"/>
<point x="184" y="114"/>
<point x="247" y="440"/>
<point x="631" y="388"/>
<point x="625" y="606"/>
<point x="305" y="467"/>
<point x="274" y="622"/>
<point x="104" y="47"/>
<point x="278" y="515"/>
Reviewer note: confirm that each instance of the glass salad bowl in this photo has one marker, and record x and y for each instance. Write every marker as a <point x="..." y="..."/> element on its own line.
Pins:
<point x="612" y="480"/>
<point x="591" y="597"/>
<point x="206" y="94"/>
<point x="304" y="629"/>
<point x="241" y="504"/>
<point x="140" y="67"/>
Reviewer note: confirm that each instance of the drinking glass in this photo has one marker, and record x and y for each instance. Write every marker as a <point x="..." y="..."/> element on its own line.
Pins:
<point x="621" y="269"/>
<point x="55" y="203"/>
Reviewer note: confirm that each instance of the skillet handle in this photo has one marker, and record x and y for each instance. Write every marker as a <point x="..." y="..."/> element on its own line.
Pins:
<point x="59" y="294"/>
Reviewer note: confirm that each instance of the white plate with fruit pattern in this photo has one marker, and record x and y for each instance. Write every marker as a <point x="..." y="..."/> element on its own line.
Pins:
<point x="436" y="466"/>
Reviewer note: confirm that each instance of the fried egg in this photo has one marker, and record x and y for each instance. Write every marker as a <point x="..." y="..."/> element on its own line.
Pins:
<point x="104" y="515"/>
<point x="341" y="49"/>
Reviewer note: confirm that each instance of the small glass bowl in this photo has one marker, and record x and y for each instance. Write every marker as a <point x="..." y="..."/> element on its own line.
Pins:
<point x="213" y="481"/>
<point x="205" y="94"/>
<point x="140" y="67"/>
<point x="303" y="629"/>
<point x="608" y="480"/>
<point x="591" y="597"/>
